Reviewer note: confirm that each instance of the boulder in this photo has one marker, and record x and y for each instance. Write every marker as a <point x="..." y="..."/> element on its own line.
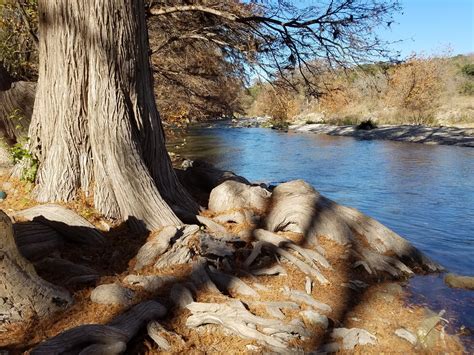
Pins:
<point x="112" y="294"/>
<point x="458" y="281"/>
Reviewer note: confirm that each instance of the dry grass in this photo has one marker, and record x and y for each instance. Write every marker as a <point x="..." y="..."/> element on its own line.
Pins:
<point x="362" y="309"/>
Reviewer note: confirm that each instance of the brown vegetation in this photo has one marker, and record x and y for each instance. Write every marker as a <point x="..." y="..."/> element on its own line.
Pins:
<point x="420" y="90"/>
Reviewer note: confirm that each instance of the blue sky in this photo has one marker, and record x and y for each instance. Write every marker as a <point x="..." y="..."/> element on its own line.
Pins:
<point x="429" y="26"/>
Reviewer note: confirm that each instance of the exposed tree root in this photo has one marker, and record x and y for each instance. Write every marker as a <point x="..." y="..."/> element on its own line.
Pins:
<point x="22" y="293"/>
<point x="92" y="338"/>
<point x="243" y="278"/>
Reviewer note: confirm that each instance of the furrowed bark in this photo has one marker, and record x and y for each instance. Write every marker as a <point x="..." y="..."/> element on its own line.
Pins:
<point x="95" y="124"/>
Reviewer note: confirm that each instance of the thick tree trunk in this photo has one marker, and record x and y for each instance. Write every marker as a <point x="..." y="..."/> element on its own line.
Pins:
<point x="95" y="124"/>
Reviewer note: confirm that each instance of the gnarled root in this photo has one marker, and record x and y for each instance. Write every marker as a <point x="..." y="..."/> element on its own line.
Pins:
<point x="91" y="338"/>
<point x="22" y="291"/>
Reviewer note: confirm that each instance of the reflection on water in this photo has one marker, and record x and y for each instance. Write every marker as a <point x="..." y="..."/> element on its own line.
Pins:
<point x="423" y="192"/>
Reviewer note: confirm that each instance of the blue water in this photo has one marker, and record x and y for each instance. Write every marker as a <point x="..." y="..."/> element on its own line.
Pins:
<point x="423" y="192"/>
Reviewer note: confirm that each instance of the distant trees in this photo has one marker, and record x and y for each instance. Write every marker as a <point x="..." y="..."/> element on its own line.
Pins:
<point x="409" y="91"/>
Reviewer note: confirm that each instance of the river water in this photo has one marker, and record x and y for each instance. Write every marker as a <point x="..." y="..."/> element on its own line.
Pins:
<point x="423" y="192"/>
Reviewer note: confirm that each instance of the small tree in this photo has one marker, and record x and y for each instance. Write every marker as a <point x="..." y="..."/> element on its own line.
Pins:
<point x="415" y="88"/>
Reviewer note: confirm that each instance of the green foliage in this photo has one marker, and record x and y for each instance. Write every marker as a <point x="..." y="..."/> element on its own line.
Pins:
<point x="21" y="155"/>
<point x="16" y="116"/>
<point x="18" y="51"/>
<point x="467" y="88"/>
<point x="276" y="124"/>
<point x="468" y="70"/>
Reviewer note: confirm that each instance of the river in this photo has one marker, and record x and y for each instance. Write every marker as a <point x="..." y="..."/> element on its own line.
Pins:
<point x="423" y="192"/>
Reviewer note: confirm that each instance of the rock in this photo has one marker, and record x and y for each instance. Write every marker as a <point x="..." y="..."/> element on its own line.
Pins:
<point x="392" y="289"/>
<point x="458" y="281"/>
<point x="7" y="186"/>
<point x="315" y="318"/>
<point x="354" y="336"/>
<point x="405" y="334"/>
<point x="236" y="195"/>
<point x="112" y="294"/>
<point x="428" y="335"/>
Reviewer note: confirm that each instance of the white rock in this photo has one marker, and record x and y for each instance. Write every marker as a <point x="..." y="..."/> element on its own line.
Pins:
<point x="354" y="336"/>
<point x="112" y="294"/>
<point x="405" y="334"/>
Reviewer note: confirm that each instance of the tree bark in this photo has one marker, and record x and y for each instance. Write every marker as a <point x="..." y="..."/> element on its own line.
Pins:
<point x="95" y="125"/>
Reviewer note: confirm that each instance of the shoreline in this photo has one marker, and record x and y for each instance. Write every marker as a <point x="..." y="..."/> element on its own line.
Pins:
<point x="462" y="137"/>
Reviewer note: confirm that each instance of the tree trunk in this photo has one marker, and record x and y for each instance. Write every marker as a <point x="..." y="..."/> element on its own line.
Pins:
<point x="95" y="125"/>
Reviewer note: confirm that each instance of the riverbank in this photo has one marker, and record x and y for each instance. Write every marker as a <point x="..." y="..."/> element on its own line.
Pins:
<point x="463" y="137"/>
<point x="443" y="135"/>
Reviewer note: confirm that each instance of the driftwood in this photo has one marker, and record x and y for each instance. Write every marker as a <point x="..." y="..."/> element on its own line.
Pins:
<point x="93" y="337"/>
<point x="69" y="224"/>
<point x="22" y="292"/>
<point x="297" y="207"/>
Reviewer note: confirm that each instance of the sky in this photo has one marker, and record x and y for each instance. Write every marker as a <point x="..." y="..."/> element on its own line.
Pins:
<point x="430" y="26"/>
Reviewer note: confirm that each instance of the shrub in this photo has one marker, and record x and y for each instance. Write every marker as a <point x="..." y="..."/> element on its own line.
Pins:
<point x="468" y="70"/>
<point x="467" y="88"/>
<point x="366" y="125"/>
<point x="21" y="155"/>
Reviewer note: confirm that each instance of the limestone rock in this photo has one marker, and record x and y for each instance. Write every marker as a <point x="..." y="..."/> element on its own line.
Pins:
<point x="407" y="335"/>
<point x="354" y="336"/>
<point x="458" y="281"/>
<point x="112" y="294"/>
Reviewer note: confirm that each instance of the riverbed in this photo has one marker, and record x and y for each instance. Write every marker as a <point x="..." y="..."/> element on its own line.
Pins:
<point x="423" y="192"/>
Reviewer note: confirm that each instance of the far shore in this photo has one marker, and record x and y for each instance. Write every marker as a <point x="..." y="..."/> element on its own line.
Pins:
<point x="463" y="137"/>
<point x="441" y="135"/>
